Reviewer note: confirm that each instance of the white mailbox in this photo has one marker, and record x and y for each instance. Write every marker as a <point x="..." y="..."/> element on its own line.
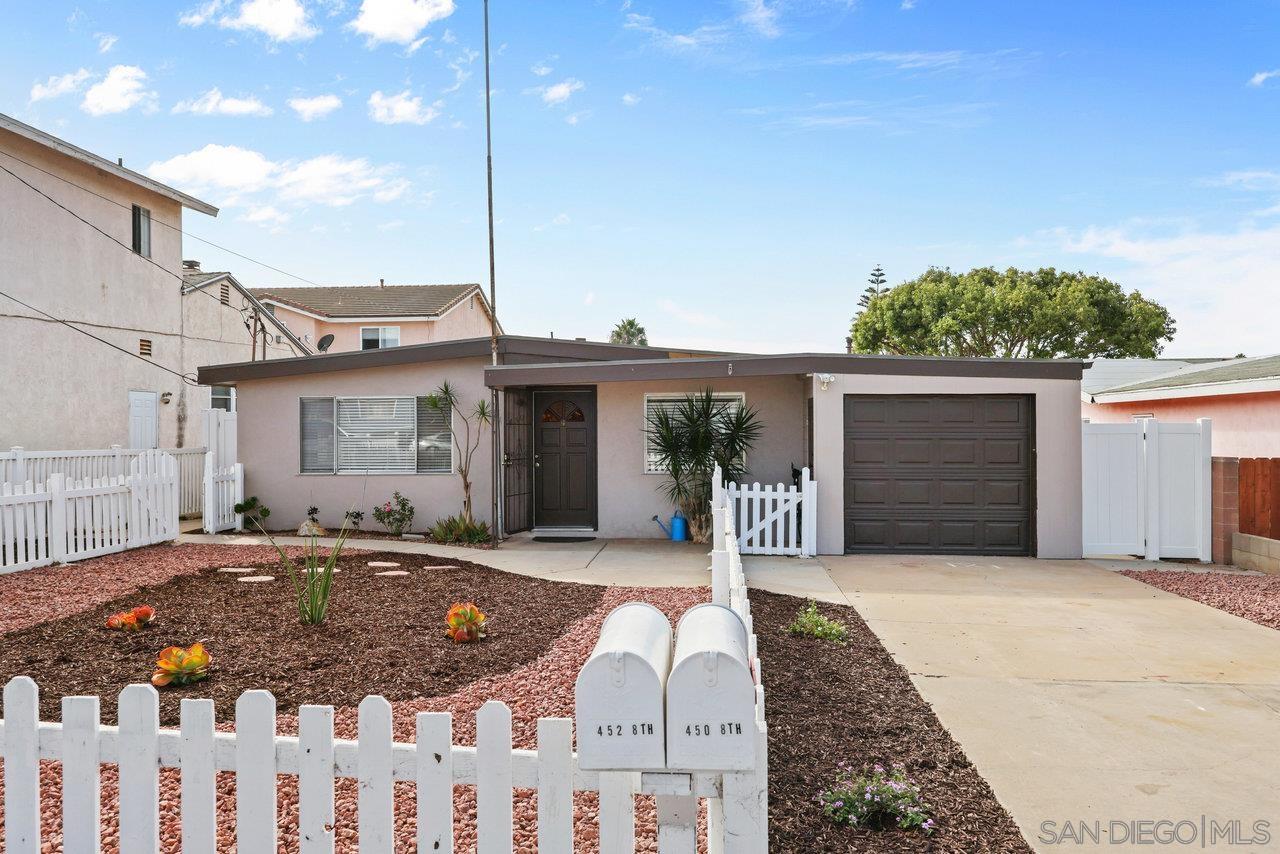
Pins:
<point x="711" y="694"/>
<point x="618" y="697"/>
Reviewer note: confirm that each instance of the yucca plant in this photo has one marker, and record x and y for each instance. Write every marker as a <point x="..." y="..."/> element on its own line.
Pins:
<point x="178" y="666"/>
<point x="313" y="581"/>
<point x="465" y="623"/>
<point x="690" y="440"/>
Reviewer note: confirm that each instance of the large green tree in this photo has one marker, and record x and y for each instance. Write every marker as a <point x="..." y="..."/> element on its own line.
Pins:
<point x="1016" y="314"/>
<point x="629" y="331"/>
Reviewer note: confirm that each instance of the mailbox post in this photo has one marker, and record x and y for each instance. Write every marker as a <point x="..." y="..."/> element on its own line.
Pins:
<point x="711" y="715"/>
<point x="619" y="694"/>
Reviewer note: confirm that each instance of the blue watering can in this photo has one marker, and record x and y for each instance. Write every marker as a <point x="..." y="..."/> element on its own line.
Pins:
<point x="679" y="530"/>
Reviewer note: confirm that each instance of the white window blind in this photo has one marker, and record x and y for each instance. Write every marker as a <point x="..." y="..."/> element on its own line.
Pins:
<point x="435" y="439"/>
<point x="357" y="435"/>
<point x="316" y="434"/>
<point x="670" y="403"/>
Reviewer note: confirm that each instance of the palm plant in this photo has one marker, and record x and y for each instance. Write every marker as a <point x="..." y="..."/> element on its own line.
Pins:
<point x="690" y="439"/>
<point x="629" y="331"/>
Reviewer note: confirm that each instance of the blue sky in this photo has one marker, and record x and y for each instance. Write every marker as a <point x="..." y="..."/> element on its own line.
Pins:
<point x="727" y="172"/>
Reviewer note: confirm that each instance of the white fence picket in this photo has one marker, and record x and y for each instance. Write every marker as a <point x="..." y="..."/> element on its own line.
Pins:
<point x="315" y="780"/>
<point x="22" y="766"/>
<point x="139" y="715"/>
<point x="434" y="775"/>
<point x="18" y="465"/>
<point x="493" y="779"/>
<point x="375" y="806"/>
<point x="775" y="519"/>
<point x="81" y="827"/>
<point x="224" y="489"/>
<point x="617" y="812"/>
<point x="199" y="778"/>
<point x="555" y="786"/>
<point x="256" y="773"/>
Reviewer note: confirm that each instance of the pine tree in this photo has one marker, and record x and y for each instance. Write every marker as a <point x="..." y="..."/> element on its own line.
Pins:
<point x="875" y="287"/>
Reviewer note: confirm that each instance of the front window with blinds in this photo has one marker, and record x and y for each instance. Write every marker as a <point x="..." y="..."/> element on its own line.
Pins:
<point x="671" y="402"/>
<point x="374" y="435"/>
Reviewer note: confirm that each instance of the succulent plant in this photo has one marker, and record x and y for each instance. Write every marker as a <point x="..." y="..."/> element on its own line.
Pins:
<point x="178" y="666"/>
<point x="131" y="621"/>
<point x="466" y="623"/>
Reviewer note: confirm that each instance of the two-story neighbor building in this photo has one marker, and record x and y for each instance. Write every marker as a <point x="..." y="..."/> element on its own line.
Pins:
<point x="103" y="325"/>
<point x="373" y="317"/>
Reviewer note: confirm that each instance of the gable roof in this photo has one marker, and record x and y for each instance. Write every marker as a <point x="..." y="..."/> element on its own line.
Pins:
<point x="1230" y="376"/>
<point x="1104" y="374"/>
<point x="195" y="281"/>
<point x="88" y="157"/>
<point x="372" y="300"/>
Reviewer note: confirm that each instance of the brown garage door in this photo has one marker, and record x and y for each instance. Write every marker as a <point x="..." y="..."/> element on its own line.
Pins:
<point x="945" y="474"/>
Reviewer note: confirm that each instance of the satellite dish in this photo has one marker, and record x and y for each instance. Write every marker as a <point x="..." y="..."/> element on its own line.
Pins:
<point x="325" y="342"/>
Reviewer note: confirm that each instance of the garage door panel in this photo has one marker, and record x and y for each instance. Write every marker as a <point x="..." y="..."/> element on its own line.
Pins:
<point x="938" y="474"/>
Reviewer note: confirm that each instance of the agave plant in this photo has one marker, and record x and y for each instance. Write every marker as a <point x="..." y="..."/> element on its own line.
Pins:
<point x="178" y="666"/>
<point x="313" y="581"/>
<point x="465" y="622"/>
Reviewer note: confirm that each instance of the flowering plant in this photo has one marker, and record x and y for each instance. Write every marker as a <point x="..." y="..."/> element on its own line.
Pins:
<point x="396" y="515"/>
<point x="131" y="621"/>
<point x="877" y="800"/>
<point x="465" y="623"/>
<point x="178" y="666"/>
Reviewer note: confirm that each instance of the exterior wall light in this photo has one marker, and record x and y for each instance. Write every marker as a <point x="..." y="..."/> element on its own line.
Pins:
<point x="826" y="380"/>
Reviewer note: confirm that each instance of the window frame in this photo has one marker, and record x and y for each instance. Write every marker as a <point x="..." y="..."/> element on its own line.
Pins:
<point x="453" y="447"/>
<point x="230" y="397"/>
<point x="141" y="236"/>
<point x="382" y="330"/>
<point x="649" y="396"/>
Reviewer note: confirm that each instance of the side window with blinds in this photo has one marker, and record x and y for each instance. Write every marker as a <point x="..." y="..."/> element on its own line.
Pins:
<point x="381" y="435"/>
<point x="317" y="437"/>
<point x="670" y="403"/>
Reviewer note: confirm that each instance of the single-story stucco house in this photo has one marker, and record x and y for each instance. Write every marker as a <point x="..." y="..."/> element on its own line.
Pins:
<point x="915" y="455"/>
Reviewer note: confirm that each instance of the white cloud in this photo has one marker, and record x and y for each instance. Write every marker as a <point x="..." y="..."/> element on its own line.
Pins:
<point x="557" y="220"/>
<point x="907" y="5"/>
<point x="123" y="88"/>
<point x="330" y="180"/>
<point x="398" y="21"/>
<point x="212" y="103"/>
<point x="278" y="20"/>
<point x="391" y="190"/>
<point x="541" y="69"/>
<point x="630" y="99"/>
<point x="460" y="66"/>
<point x="590" y="298"/>
<point x="217" y="168"/>
<point x="1248" y="179"/>
<point x="402" y="108"/>
<point x="559" y="93"/>
<point x="106" y="41"/>
<point x="576" y="118"/>
<point x="60" y="84"/>
<point x="317" y="107"/>
<point x="391" y="226"/>
<point x="266" y="215"/>
<point x="761" y="17"/>
<point x="1263" y="76"/>
<point x="698" y="39"/>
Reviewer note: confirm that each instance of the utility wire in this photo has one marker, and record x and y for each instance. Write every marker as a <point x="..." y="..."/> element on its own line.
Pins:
<point x="165" y="224"/>
<point x="188" y="379"/>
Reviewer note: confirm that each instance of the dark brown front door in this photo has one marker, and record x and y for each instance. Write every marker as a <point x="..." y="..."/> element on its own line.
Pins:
<point x="564" y="455"/>
<point x="947" y="474"/>
<point x="517" y="460"/>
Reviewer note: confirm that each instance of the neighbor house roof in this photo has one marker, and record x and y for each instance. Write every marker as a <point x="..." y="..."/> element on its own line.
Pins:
<point x="111" y="167"/>
<point x="1232" y="376"/>
<point x="511" y="349"/>
<point x="1104" y="374"/>
<point x="372" y="300"/>
<point x="198" y="280"/>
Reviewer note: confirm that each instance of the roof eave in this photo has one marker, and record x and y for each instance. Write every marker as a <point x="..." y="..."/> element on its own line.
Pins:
<point x="1253" y="386"/>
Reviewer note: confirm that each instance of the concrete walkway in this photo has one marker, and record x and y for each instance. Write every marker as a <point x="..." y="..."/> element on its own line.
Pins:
<point x="1085" y="696"/>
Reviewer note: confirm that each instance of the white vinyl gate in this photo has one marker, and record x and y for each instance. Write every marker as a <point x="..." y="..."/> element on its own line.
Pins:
<point x="776" y="520"/>
<point x="223" y="490"/>
<point x="1147" y="489"/>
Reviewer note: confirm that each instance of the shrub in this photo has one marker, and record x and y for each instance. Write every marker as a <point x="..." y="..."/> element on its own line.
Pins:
<point x="355" y="517"/>
<point x="465" y="623"/>
<point x="877" y="800"/>
<point x="458" y="529"/>
<point x="313" y="514"/>
<point x="254" y="511"/>
<point x="132" y="621"/>
<point x="178" y="666"/>
<point x="812" y="624"/>
<point x="396" y="515"/>
<point x="313" y="582"/>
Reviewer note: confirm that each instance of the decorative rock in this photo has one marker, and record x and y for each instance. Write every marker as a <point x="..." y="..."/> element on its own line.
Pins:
<point x="382" y="563"/>
<point x="311" y="529"/>
<point x="238" y="570"/>
<point x="439" y="567"/>
<point x="413" y="536"/>
<point x="255" y="578"/>
<point x="392" y="573"/>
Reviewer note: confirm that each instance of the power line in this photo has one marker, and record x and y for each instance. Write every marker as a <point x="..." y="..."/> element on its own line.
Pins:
<point x="185" y="378"/>
<point x="217" y="246"/>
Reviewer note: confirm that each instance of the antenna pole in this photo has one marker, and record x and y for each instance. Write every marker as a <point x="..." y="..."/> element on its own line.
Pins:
<point x="495" y="415"/>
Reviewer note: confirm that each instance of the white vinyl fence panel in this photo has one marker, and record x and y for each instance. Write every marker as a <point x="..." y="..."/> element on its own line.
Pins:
<point x="776" y="520"/>
<point x="1147" y="489"/>
<point x="18" y="466"/>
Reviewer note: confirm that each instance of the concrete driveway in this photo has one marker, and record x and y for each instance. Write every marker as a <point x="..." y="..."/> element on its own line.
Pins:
<point x="1086" y="698"/>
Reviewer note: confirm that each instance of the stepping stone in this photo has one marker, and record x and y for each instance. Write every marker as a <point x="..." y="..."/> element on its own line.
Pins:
<point x="381" y="563"/>
<point x="256" y="578"/>
<point x="439" y="567"/>
<point x="238" y="570"/>
<point x="392" y="573"/>
<point x="413" y="536"/>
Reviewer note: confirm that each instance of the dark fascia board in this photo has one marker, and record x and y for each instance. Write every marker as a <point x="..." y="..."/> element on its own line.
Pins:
<point x="792" y="363"/>
<point x="555" y="348"/>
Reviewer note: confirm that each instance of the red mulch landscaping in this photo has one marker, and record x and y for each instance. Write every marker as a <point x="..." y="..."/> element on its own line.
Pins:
<point x="1254" y="597"/>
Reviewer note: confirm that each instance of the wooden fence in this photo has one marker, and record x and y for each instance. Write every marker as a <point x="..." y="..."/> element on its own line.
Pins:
<point x="1259" y="485"/>
<point x="19" y="466"/>
<point x="776" y="520"/>
<point x="65" y="520"/>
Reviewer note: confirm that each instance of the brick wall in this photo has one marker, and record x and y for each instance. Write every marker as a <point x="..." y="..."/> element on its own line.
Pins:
<point x="1226" y="506"/>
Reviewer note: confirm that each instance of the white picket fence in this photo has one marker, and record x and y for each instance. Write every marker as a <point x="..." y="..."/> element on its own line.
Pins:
<point x="65" y="520"/>
<point x="1147" y="489"/>
<point x="19" y="466"/>
<point x="776" y="520"/>
<point x="223" y="490"/>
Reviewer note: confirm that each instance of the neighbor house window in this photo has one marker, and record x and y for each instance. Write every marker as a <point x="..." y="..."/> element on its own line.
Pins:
<point x="672" y="402"/>
<point x="379" y="337"/>
<point x="222" y="397"/>
<point x="142" y="231"/>
<point x="375" y="435"/>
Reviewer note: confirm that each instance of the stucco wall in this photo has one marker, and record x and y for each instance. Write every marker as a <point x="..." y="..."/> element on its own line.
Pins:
<point x="1244" y="425"/>
<point x="467" y="320"/>
<point x="267" y="436"/>
<point x="1057" y="419"/>
<point x="629" y="498"/>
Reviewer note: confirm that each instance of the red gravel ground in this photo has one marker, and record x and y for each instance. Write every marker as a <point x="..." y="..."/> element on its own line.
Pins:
<point x="1254" y="597"/>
